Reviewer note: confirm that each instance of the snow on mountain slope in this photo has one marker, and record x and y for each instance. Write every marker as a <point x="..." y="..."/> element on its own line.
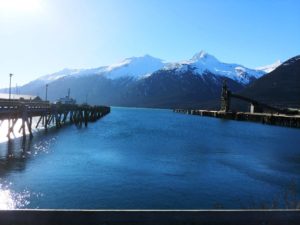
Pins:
<point x="270" y="68"/>
<point x="202" y="63"/>
<point x="71" y="72"/>
<point x="58" y="75"/>
<point x="141" y="67"/>
<point x="135" y="67"/>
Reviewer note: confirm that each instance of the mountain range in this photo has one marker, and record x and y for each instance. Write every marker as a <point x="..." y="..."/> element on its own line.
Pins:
<point x="280" y="87"/>
<point x="151" y="82"/>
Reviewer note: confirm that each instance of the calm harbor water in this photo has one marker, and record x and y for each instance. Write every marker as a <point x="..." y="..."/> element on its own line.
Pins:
<point x="155" y="159"/>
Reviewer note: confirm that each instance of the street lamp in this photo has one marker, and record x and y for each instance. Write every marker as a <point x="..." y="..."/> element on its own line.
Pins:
<point x="9" y="97"/>
<point x="47" y="91"/>
<point x="10" y="75"/>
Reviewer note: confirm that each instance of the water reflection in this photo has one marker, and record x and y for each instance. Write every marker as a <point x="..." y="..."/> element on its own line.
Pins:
<point x="14" y="156"/>
<point x="15" y="152"/>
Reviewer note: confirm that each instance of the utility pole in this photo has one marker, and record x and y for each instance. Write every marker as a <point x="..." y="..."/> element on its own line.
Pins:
<point x="47" y="91"/>
<point x="9" y="96"/>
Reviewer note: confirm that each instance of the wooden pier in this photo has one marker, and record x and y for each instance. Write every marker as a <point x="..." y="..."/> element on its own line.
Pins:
<point x="49" y="114"/>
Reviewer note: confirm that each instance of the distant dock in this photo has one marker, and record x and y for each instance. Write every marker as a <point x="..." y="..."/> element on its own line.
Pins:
<point x="259" y="112"/>
<point x="264" y="118"/>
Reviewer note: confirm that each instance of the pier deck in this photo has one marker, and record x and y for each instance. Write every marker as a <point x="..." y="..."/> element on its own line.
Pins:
<point x="265" y="118"/>
<point x="49" y="114"/>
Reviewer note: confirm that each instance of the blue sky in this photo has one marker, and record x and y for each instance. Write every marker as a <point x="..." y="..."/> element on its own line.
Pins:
<point x="39" y="37"/>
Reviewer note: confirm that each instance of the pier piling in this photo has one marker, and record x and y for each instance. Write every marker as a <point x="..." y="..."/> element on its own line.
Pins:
<point x="48" y="114"/>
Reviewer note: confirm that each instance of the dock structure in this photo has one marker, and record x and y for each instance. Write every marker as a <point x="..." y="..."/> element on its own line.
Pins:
<point x="259" y="112"/>
<point x="255" y="106"/>
<point x="48" y="114"/>
<point x="264" y="118"/>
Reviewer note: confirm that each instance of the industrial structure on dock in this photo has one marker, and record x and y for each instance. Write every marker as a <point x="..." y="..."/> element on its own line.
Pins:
<point x="259" y="112"/>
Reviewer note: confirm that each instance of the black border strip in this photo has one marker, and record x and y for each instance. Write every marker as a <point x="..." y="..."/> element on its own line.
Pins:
<point x="153" y="217"/>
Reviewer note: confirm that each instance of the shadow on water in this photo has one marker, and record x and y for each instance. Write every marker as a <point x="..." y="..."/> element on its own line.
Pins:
<point x="15" y="153"/>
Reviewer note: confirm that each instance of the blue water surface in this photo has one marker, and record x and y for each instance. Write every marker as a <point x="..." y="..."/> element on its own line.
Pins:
<point x="153" y="159"/>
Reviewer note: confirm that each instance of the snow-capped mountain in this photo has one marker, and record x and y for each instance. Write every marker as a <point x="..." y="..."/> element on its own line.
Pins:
<point x="142" y="67"/>
<point x="135" y="67"/>
<point x="269" y="68"/>
<point x="202" y="62"/>
<point x="148" y="82"/>
<point x="60" y="74"/>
